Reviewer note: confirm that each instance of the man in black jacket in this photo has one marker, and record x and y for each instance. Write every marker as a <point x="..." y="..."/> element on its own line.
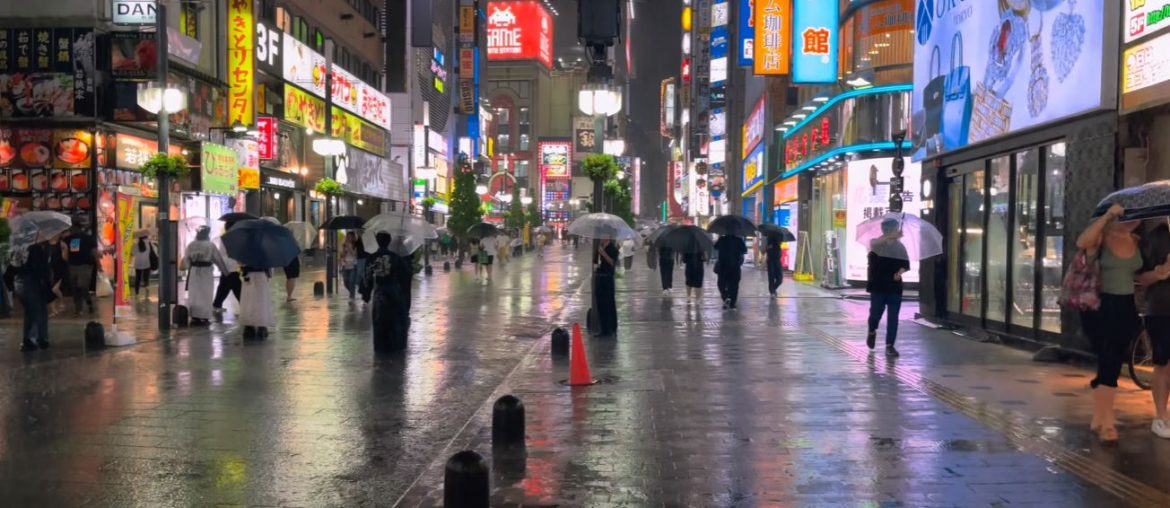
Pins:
<point x="34" y="289"/>
<point x="728" y="265"/>
<point x="888" y="260"/>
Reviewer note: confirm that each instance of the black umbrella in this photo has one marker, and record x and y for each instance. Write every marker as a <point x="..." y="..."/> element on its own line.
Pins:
<point x="343" y="222"/>
<point x="686" y="240"/>
<point x="733" y="225"/>
<point x="483" y="230"/>
<point x="1148" y="201"/>
<point x="772" y="231"/>
<point x="657" y="233"/>
<point x="261" y="244"/>
<point x="237" y="216"/>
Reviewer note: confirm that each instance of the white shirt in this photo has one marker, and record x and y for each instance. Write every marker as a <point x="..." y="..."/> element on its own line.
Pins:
<point x="488" y="243"/>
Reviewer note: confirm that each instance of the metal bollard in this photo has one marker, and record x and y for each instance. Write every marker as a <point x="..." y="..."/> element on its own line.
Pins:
<point x="465" y="481"/>
<point x="318" y="288"/>
<point x="428" y="270"/>
<point x="560" y="342"/>
<point x="446" y="266"/>
<point x="508" y="422"/>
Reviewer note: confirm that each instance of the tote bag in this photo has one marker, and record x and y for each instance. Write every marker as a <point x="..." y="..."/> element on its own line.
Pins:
<point x="957" y="100"/>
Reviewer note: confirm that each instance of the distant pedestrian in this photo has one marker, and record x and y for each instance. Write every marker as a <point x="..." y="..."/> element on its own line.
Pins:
<point x="82" y="255"/>
<point x="349" y="263"/>
<point x="479" y="258"/>
<point x="59" y="267"/>
<point x="1115" y="324"/>
<point x="772" y="260"/>
<point x="33" y="287"/>
<point x="517" y="246"/>
<point x="201" y="259"/>
<point x="627" y="251"/>
<point x="291" y="273"/>
<point x="256" y="302"/>
<point x="888" y="260"/>
<point x="360" y="267"/>
<point x="728" y="268"/>
<point x="388" y="277"/>
<point x="488" y="244"/>
<point x="1157" y="271"/>
<point x="142" y="255"/>
<point x="607" y="259"/>
<point x="541" y="240"/>
<point x="503" y="249"/>
<point x="693" y="273"/>
<point x="229" y="278"/>
<point x="666" y="268"/>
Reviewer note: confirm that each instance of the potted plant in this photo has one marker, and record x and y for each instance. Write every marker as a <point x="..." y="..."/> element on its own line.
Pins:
<point x="328" y="187"/>
<point x="161" y="164"/>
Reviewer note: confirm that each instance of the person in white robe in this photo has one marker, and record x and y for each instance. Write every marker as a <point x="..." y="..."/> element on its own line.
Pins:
<point x="201" y="259"/>
<point x="256" y="302"/>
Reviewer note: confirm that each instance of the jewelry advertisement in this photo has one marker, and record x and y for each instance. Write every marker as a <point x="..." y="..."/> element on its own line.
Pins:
<point x="987" y="68"/>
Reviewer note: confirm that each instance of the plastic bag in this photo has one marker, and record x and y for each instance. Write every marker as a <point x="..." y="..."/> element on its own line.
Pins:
<point x="103" y="287"/>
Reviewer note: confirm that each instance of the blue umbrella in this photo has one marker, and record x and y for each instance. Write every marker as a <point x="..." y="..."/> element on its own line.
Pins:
<point x="261" y="244"/>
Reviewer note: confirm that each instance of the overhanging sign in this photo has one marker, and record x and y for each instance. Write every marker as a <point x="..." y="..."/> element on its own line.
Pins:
<point x="134" y="12"/>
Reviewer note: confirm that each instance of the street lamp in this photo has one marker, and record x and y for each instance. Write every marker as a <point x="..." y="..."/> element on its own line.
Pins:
<point x="526" y="200"/>
<point x="599" y="99"/>
<point x="328" y="147"/>
<point x="154" y="99"/>
<point x="481" y="189"/>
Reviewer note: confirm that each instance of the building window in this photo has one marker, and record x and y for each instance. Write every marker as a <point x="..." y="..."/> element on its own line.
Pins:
<point x="523" y="142"/>
<point x="1053" y="260"/>
<point x="1023" y="307"/>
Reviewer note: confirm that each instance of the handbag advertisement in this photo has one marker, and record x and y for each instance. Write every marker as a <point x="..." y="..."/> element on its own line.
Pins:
<point x="985" y="69"/>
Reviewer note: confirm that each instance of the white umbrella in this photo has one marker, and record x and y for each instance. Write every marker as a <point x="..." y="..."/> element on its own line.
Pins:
<point x="901" y="236"/>
<point x="602" y="226"/>
<point x="414" y="231"/>
<point x="304" y="232"/>
<point x="31" y="227"/>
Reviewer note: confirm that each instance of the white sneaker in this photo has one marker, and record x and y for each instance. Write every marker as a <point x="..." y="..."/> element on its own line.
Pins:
<point x="1161" y="429"/>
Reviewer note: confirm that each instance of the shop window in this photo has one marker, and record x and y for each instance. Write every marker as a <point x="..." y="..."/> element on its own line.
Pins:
<point x="998" y="228"/>
<point x="974" y="212"/>
<point x="521" y="169"/>
<point x="1053" y="261"/>
<point x="955" y="241"/>
<point x="1023" y="309"/>
<point x="189" y="20"/>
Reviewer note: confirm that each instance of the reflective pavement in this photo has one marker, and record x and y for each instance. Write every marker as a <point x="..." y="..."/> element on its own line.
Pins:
<point x="776" y="403"/>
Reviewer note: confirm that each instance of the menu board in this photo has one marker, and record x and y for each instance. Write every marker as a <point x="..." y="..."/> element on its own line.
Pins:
<point x="52" y="167"/>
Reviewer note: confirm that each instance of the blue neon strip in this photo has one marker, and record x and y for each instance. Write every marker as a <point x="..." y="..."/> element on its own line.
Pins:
<point x="847" y="95"/>
<point x="885" y="145"/>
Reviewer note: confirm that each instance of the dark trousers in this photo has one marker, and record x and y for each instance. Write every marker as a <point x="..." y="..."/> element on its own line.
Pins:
<point x="775" y="276"/>
<point x="729" y="284"/>
<point x="666" y="272"/>
<point x="391" y="320"/>
<point x="36" y="316"/>
<point x="141" y="279"/>
<point x="80" y="279"/>
<point x="229" y="283"/>
<point x="606" y="305"/>
<point x="879" y="303"/>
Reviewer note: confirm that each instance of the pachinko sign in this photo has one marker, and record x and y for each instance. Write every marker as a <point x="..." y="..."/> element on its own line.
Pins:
<point x="519" y="31"/>
<point x="241" y="66"/>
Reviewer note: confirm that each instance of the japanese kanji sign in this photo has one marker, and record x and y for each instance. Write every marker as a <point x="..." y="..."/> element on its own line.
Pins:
<point x="773" y="42"/>
<point x="815" y="44"/>
<point x="241" y="67"/>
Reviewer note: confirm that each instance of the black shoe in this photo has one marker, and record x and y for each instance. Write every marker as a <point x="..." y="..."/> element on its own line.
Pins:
<point x="871" y="339"/>
<point x="732" y="305"/>
<point x="891" y="352"/>
<point x="726" y="304"/>
<point x="43" y="344"/>
<point x="27" y="346"/>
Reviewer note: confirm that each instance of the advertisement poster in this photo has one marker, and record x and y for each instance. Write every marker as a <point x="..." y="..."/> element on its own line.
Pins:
<point x="584" y="137"/>
<point x="126" y="225"/>
<point x="753" y="169"/>
<point x="868" y="183"/>
<point x="133" y="55"/>
<point x="47" y="72"/>
<point x="519" y="30"/>
<point x="1144" y="17"/>
<point x="219" y="171"/>
<point x="365" y="173"/>
<point x="555" y="159"/>
<point x="241" y="38"/>
<point x="206" y="104"/>
<point x="1145" y="74"/>
<point x="815" y="44"/>
<point x="981" y="72"/>
<point x="753" y="128"/>
<point x="773" y="19"/>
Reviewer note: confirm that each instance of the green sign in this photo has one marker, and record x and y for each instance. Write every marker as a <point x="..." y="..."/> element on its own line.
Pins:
<point x="219" y="173"/>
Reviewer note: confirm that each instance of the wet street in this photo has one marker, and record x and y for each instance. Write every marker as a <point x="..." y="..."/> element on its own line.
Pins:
<point x="778" y="403"/>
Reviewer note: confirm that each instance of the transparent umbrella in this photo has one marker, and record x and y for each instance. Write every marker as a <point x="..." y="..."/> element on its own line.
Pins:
<point x="602" y="226"/>
<point x="31" y="227"/>
<point x="901" y="236"/>
<point x="412" y="230"/>
<point x="304" y="232"/>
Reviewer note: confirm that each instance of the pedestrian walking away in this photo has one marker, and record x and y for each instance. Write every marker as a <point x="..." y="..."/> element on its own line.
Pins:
<point x="693" y="272"/>
<point x="607" y="254"/>
<point x="1115" y="324"/>
<point x="772" y="260"/>
<point x="388" y="277"/>
<point x="229" y="279"/>
<point x="291" y="273"/>
<point x="360" y="266"/>
<point x="200" y="260"/>
<point x="82" y="255"/>
<point x="144" y="259"/>
<point x="888" y="260"/>
<point x="33" y="287"/>
<point x="666" y="268"/>
<point x="728" y="268"/>
<point x="256" y="315"/>
<point x="629" y="248"/>
<point x="488" y="246"/>
<point x="1157" y="320"/>
<point x="59" y="268"/>
<point x="348" y="262"/>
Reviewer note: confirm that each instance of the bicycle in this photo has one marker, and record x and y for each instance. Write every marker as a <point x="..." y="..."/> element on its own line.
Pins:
<point x="1141" y="356"/>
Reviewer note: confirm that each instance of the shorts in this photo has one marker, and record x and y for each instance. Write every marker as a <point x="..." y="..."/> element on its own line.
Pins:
<point x="1158" y="328"/>
<point x="293" y="270"/>
<point x="489" y="261"/>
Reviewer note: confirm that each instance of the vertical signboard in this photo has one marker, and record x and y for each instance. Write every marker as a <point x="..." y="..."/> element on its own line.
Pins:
<point x="746" y="33"/>
<point x="241" y="71"/>
<point x="773" y="19"/>
<point x="815" y="41"/>
<point x="753" y="129"/>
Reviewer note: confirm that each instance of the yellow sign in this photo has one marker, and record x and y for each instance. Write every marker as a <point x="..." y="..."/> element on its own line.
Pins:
<point x="308" y="111"/>
<point x="249" y="179"/>
<point x="786" y="190"/>
<point x="467" y="22"/>
<point x="241" y="67"/>
<point x="303" y="109"/>
<point x="839" y="218"/>
<point x="773" y="20"/>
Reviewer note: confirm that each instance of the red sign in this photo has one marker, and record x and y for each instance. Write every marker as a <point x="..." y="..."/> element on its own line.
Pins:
<point x="520" y="30"/>
<point x="267" y="127"/>
<point x="810" y="143"/>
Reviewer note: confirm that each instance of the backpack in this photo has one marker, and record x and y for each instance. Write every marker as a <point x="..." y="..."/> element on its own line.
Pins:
<point x="1081" y="288"/>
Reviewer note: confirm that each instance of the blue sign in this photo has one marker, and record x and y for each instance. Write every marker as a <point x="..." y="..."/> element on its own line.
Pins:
<point x="719" y="42"/>
<point x="746" y="32"/>
<point x="815" y="41"/>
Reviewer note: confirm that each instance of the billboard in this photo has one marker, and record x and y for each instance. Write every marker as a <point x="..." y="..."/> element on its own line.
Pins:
<point x="753" y="169"/>
<point x="815" y="41"/>
<point x="1145" y="74"/>
<point x="521" y="30"/>
<point x="868" y="183"/>
<point x="1144" y="17"/>
<point x="981" y="72"/>
<point x="746" y="33"/>
<point x="753" y="128"/>
<point x="772" y="46"/>
<point x="556" y="159"/>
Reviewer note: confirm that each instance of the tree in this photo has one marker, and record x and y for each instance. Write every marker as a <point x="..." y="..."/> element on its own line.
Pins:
<point x="599" y="168"/>
<point x="465" y="204"/>
<point x="534" y="218"/>
<point x="619" y="199"/>
<point x="514" y="217"/>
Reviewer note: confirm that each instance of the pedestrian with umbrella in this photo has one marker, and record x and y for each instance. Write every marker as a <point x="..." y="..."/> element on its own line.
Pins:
<point x="728" y="268"/>
<point x="485" y="234"/>
<point x="388" y="275"/>
<point x="607" y="228"/>
<point x="694" y="245"/>
<point x="229" y="277"/>
<point x="306" y="236"/>
<point x="200" y="259"/>
<point x="259" y="246"/>
<point x="145" y="260"/>
<point x="348" y="262"/>
<point x="33" y="282"/>
<point x="774" y="236"/>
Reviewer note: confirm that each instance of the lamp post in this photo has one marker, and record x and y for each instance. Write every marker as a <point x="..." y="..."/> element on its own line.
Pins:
<point x="328" y="149"/>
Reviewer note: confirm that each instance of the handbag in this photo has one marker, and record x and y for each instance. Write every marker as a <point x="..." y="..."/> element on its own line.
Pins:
<point x="991" y="115"/>
<point x="956" y="114"/>
<point x="932" y="100"/>
<point x="1081" y="288"/>
<point x="482" y="257"/>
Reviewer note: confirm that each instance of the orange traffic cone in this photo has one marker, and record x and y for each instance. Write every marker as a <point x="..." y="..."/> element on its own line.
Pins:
<point x="578" y="363"/>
